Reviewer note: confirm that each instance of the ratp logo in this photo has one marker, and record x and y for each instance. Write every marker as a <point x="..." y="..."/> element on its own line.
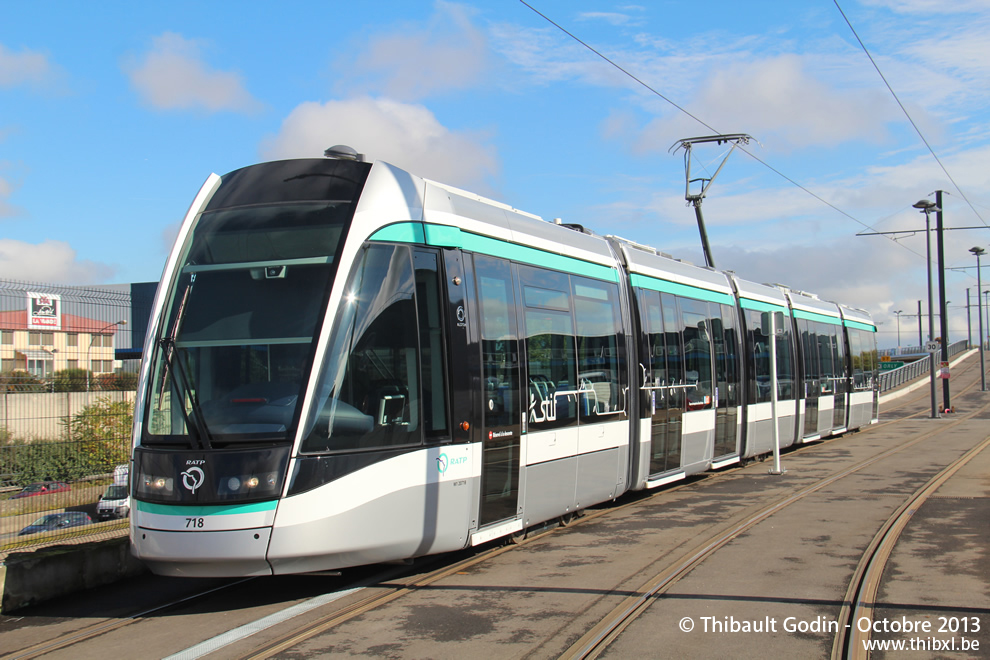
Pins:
<point x="193" y="478"/>
<point x="442" y="463"/>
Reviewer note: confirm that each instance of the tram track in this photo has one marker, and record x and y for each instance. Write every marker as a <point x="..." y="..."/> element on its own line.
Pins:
<point x="107" y="625"/>
<point x="598" y="638"/>
<point x="861" y="596"/>
<point x="863" y="586"/>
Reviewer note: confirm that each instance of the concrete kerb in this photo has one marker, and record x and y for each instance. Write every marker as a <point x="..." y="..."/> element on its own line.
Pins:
<point x="28" y="578"/>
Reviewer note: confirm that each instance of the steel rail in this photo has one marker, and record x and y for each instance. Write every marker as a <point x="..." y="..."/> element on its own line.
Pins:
<point x="611" y="626"/>
<point x="860" y="599"/>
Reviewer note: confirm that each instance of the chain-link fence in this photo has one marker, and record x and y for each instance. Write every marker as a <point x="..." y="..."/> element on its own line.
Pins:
<point x="66" y="410"/>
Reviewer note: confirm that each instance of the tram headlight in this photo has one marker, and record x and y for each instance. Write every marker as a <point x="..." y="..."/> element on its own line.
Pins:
<point x="249" y="483"/>
<point x="157" y="485"/>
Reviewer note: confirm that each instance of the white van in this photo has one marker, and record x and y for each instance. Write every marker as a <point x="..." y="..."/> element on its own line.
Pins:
<point x="115" y="502"/>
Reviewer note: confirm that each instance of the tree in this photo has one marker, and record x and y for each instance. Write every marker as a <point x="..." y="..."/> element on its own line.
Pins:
<point x="102" y="434"/>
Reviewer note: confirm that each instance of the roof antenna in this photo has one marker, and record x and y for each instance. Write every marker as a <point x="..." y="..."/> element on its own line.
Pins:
<point x="695" y="199"/>
<point x="343" y="152"/>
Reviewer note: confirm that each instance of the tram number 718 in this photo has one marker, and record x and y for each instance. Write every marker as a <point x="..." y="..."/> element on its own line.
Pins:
<point x="195" y="523"/>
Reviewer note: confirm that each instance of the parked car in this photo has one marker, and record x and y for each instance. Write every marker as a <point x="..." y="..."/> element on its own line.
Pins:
<point x="113" y="503"/>
<point x="42" y="488"/>
<point x="55" y="521"/>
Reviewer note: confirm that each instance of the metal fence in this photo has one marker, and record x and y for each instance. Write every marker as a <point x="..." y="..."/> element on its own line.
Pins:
<point x="909" y="372"/>
<point x="66" y="409"/>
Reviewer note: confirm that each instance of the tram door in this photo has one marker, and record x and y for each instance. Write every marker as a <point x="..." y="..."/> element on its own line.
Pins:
<point x="725" y="342"/>
<point x="841" y="377"/>
<point x="501" y="410"/>
<point x="812" y="375"/>
<point x="664" y="374"/>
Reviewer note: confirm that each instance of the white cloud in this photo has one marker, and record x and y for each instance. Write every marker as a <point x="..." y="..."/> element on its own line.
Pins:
<point x="415" y="61"/>
<point x="929" y="7"/>
<point x="613" y="18"/>
<point x="173" y="76"/>
<point x="49" y="261"/>
<point x="777" y="101"/>
<point x="7" y="210"/>
<point x="24" y="68"/>
<point x="407" y="135"/>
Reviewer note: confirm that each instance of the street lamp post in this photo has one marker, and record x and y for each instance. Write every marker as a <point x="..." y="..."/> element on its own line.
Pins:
<point x="969" y="322"/>
<point x="898" y="313"/>
<point x="926" y="207"/>
<point x="979" y="252"/>
<point x="89" y="349"/>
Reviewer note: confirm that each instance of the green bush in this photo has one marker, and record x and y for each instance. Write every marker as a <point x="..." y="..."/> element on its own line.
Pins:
<point x="102" y="434"/>
<point x="41" y="460"/>
<point x="123" y="381"/>
<point x="21" y="381"/>
<point x="71" y="380"/>
<point x="96" y="439"/>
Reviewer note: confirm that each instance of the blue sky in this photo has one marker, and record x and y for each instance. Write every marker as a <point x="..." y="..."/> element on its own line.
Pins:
<point x="112" y="115"/>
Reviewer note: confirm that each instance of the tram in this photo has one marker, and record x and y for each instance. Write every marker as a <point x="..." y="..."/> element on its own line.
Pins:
<point x="348" y="364"/>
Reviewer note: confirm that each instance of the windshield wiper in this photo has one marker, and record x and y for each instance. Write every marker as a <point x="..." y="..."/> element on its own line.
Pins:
<point x="194" y="416"/>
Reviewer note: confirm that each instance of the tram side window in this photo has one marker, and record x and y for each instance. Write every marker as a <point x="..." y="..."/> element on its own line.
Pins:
<point x="757" y="357"/>
<point x="826" y="358"/>
<point x="369" y="384"/>
<point x="809" y="343"/>
<point x="696" y="323"/>
<point x="872" y="358"/>
<point x="551" y="359"/>
<point x="856" y="356"/>
<point x="786" y="372"/>
<point x="726" y="352"/>
<point x="864" y="354"/>
<point x="500" y="355"/>
<point x="656" y="375"/>
<point x="431" y="347"/>
<point x="673" y="331"/>
<point x="601" y="362"/>
<point x="839" y="356"/>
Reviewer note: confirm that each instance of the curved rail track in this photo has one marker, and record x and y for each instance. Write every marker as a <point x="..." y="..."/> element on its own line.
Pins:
<point x="393" y="585"/>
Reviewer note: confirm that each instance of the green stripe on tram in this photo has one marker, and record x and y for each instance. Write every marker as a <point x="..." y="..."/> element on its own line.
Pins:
<point x="209" y="510"/>
<point x="814" y="316"/>
<point x="677" y="289"/>
<point x="760" y="306"/>
<point x="860" y="326"/>
<point x="446" y="236"/>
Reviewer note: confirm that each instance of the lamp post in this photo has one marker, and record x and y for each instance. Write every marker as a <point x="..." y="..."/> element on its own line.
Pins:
<point x="898" y="313"/>
<point x="926" y="207"/>
<point x="979" y="252"/>
<point x="89" y="349"/>
<point x="969" y="322"/>
<point x="986" y="306"/>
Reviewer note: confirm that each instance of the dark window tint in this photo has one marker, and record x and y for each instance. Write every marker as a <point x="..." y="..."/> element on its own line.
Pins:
<point x="550" y="349"/>
<point x="600" y="351"/>
<point x="697" y="353"/>
<point x="369" y="394"/>
<point x="499" y="344"/>
<point x="727" y="356"/>
<point x="431" y="345"/>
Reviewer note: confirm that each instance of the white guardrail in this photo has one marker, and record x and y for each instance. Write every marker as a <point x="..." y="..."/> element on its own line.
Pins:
<point x="896" y="377"/>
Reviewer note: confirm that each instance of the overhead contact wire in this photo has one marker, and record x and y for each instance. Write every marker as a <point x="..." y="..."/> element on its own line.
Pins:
<point x="709" y="127"/>
<point x="906" y="113"/>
